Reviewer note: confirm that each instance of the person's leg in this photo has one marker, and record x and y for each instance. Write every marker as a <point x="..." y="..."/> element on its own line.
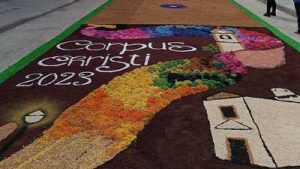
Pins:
<point x="297" y="6"/>
<point x="274" y="6"/>
<point x="269" y="5"/>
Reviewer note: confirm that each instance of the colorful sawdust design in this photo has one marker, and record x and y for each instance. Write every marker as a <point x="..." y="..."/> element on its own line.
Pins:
<point x="149" y="32"/>
<point x="108" y="119"/>
<point x="119" y="110"/>
<point x="257" y="131"/>
<point x="251" y="40"/>
<point x="259" y="50"/>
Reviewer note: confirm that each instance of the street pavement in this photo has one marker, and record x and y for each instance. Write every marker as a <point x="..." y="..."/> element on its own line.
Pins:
<point x="285" y="5"/>
<point x="17" y="12"/>
<point x="27" y="24"/>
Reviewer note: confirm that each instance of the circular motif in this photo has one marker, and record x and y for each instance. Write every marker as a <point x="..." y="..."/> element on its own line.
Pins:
<point x="173" y="6"/>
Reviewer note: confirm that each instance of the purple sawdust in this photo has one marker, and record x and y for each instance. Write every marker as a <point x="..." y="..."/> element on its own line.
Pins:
<point x="173" y="6"/>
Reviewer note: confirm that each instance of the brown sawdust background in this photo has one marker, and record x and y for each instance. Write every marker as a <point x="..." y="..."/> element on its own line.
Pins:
<point x="198" y="12"/>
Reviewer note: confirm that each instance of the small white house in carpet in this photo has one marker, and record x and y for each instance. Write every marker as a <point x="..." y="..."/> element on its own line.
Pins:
<point x="256" y="131"/>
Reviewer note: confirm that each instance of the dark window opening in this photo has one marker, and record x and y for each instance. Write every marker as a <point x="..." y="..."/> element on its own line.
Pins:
<point x="225" y="37"/>
<point x="239" y="152"/>
<point x="228" y="111"/>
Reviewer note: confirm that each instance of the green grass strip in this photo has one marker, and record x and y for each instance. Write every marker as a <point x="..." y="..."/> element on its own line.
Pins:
<point x="26" y="60"/>
<point x="277" y="32"/>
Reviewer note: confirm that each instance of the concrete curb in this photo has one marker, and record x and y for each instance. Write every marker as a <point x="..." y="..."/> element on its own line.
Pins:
<point x="283" y="8"/>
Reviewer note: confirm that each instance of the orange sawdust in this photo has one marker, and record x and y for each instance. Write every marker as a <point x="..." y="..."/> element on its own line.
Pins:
<point x="112" y="112"/>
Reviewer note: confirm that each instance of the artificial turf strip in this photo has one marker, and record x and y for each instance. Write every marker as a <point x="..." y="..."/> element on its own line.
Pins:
<point x="277" y="32"/>
<point x="22" y="63"/>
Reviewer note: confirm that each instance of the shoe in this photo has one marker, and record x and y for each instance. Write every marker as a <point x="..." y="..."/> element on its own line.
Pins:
<point x="273" y="13"/>
<point x="267" y="14"/>
<point x="298" y="32"/>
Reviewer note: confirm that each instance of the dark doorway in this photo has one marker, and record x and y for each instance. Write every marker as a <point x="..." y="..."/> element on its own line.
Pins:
<point x="239" y="151"/>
